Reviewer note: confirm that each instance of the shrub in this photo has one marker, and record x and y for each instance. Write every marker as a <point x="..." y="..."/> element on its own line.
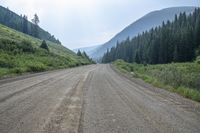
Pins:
<point x="10" y="45"/>
<point x="6" y="63"/>
<point x="36" y="67"/>
<point x="26" y="46"/>
<point x="198" y="60"/>
<point x="44" y="45"/>
<point x="17" y="70"/>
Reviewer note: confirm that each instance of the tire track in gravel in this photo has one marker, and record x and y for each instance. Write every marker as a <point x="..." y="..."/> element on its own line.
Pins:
<point x="44" y="81"/>
<point x="67" y="117"/>
<point x="28" y="110"/>
<point x="115" y="104"/>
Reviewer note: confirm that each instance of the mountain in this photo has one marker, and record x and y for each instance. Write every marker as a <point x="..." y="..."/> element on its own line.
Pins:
<point x="88" y="50"/>
<point x="14" y="21"/>
<point x="176" y="41"/>
<point x="145" y="23"/>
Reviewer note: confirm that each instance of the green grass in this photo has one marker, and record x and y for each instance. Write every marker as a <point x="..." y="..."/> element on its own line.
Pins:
<point x="182" y="78"/>
<point x="20" y="53"/>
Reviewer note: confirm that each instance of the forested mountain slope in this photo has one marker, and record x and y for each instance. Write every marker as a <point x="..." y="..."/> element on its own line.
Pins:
<point x="147" y="22"/>
<point x="21" y="23"/>
<point x="176" y="41"/>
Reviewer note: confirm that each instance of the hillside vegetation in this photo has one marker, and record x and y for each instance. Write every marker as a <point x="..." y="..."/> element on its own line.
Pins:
<point x="21" y="53"/>
<point x="182" y="78"/>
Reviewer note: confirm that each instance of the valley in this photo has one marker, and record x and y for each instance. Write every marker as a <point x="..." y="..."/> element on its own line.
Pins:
<point x="117" y="67"/>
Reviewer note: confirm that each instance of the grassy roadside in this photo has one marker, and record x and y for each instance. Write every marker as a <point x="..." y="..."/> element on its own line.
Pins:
<point x="21" y="53"/>
<point x="181" y="78"/>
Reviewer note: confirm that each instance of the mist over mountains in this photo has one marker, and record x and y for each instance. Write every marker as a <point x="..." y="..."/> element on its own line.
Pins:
<point x="145" y="23"/>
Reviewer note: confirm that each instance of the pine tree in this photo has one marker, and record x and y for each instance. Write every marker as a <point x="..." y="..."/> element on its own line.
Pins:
<point x="25" y="24"/>
<point x="85" y="55"/>
<point x="79" y="53"/>
<point x="44" y="45"/>
<point x="35" y="27"/>
<point x="137" y="58"/>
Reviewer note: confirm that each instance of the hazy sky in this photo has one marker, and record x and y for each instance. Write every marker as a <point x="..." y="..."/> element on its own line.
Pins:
<point x="80" y="23"/>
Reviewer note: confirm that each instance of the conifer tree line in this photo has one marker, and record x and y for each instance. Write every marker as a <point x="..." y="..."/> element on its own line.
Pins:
<point x="84" y="55"/>
<point x="176" y="41"/>
<point x="21" y="23"/>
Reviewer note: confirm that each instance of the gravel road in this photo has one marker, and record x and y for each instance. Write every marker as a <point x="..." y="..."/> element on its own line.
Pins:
<point x="92" y="99"/>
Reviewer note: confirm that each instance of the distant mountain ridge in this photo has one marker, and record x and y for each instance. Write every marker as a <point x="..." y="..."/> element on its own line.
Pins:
<point x="88" y="50"/>
<point x="145" y="23"/>
<point x="14" y="21"/>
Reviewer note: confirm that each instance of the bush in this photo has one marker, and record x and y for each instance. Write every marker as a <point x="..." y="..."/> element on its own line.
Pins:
<point x="14" y="46"/>
<point x="17" y="70"/>
<point x="8" y="45"/>
<point x="4" y="63"/>
<point x="26" y="46"/>
<point x="44" y="45"/>
<point x="198" y="60"/>
<point x="36" y="67"/>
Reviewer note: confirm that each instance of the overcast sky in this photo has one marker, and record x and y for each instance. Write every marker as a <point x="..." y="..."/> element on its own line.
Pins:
<point x="80" y="23"/>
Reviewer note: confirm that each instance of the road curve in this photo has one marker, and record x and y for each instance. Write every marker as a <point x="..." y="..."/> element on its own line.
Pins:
<point x="92" y="99"/>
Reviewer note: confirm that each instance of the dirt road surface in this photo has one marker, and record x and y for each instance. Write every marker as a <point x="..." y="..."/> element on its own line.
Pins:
<point x="92" y="99"/>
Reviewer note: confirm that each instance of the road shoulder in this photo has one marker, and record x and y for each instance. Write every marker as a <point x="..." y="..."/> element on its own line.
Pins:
<point x="174" y="97"/>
